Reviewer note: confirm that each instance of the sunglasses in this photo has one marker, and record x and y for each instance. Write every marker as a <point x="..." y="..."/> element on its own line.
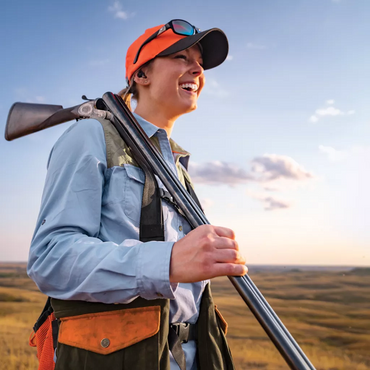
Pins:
<point x="178" y="26"/>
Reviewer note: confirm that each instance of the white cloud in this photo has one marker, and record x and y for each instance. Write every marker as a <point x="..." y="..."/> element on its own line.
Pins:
<point x="356" y="154"/>
<point x="333" y="154"/>
<point x="270" y="188"/>
<point x="265" y="169"/>
<point x="271" y="167"/>
<point x="271" y="203"/>
<point x="229" y="57"/>
<point x="272" y="172"/>
<point x="328" y="111"/>
<point x="116" y="9"/>
<point x="253" y="46"/>
<point x="218" y="173"/>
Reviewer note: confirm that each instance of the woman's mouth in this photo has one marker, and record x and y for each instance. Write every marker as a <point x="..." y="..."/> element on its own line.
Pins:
<point x="189" y="87"/>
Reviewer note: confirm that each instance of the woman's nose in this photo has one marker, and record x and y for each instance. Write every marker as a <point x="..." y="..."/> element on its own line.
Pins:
<point x="196" y="69"/>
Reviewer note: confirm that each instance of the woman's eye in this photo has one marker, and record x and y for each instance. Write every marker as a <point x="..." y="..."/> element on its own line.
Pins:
<point x="181" y="57"/>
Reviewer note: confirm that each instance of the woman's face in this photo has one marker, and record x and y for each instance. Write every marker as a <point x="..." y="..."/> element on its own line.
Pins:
<point x="175" y="82"/>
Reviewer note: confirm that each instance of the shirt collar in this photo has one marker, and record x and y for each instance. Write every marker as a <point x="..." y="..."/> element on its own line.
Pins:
<point x="148" y="127"/>
<point x="151" y="130"/>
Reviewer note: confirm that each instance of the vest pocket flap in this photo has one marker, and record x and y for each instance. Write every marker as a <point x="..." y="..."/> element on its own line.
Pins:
<point x="135" y="173"/>
<point x="107" y="332"/>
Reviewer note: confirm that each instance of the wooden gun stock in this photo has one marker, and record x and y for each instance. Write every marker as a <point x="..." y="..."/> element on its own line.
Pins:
<point x="27" y="118"/>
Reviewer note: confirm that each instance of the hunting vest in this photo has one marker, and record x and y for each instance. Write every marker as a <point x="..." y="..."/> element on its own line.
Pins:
<point x="133" y="336"/>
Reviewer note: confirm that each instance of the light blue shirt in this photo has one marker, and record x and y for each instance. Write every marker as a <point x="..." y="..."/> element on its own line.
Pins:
<point x="86" y="243"/>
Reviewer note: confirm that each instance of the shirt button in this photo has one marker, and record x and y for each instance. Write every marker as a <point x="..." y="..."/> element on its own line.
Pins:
<point x="180" y="228"/>
<point x="105" y="342"/>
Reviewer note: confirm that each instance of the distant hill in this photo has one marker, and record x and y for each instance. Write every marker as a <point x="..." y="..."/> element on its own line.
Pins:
<point x="360" y="271"/>
<point x="297" y="268"/>
<point x="252" y="268"/>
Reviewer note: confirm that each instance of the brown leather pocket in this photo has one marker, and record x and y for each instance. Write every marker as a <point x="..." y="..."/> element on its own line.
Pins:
<point x="107" y="332"/>
<point x="221" y="321"/>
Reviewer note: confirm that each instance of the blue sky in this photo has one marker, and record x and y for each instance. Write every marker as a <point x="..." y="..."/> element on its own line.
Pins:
<point x="280" y="141"/>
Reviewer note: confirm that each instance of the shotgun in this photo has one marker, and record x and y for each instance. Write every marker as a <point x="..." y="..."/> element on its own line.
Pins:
<point x="26" y="118"/>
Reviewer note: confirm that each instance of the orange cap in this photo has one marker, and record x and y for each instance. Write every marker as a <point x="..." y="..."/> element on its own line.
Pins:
<point x="214" y="45"/>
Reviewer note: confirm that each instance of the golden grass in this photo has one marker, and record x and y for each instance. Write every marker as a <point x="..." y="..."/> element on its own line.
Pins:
<point x="328" y="314"/>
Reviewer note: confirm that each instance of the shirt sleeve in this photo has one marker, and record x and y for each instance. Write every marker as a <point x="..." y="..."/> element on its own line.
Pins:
<point x="67" y="259"/>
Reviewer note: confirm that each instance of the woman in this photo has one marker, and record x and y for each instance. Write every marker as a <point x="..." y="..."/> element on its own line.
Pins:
<point x="125" y="303"/>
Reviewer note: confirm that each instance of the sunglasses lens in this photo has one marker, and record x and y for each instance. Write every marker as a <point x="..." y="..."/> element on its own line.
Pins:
<point x="183" y="28"/>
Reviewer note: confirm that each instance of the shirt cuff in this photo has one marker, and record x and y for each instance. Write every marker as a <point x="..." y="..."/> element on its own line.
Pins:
<point x="154" y="270"/>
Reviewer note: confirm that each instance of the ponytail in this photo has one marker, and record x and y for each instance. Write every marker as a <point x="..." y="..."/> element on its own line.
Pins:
<point x="126" y="96"/>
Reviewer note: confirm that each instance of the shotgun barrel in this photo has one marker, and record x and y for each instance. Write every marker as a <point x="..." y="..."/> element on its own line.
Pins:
<point x="135" y="137"/>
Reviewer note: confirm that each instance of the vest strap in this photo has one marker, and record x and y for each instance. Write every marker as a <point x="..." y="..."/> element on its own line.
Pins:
<point x="151" y="218"/>
<point x="176" y="349"/>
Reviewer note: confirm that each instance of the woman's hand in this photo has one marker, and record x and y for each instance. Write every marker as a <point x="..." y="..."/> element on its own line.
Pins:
<point x="206" y="252"/>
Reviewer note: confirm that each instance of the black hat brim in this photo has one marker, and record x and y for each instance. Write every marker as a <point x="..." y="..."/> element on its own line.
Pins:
<point x="215" y="46"/>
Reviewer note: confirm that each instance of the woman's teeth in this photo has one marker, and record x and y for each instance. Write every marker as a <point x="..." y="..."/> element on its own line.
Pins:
<point x="189" y="87"/>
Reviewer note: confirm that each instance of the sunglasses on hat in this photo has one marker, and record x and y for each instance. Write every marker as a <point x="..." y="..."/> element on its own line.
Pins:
<point x="178" y="26"/>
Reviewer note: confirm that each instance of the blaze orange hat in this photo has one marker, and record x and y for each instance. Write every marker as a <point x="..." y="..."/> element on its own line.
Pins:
<point x="213" y="42"/>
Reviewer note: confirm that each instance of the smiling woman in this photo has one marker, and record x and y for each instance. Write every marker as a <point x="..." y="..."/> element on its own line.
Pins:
<point x="126" y="296"/>
<point x="168" y="87"/>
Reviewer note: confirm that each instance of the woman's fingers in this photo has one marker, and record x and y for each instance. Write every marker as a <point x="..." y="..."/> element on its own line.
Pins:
<point x="229" y="269"/>
<point x="225" y="243"/>
<point x="224" y="231"/>
<point x="229" y="256"/>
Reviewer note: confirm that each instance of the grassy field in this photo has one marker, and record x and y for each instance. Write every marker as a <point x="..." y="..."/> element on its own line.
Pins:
<point x="327" y="312"/>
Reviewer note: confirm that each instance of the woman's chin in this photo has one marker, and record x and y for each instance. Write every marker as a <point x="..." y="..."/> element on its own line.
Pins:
<point x="190" y="106"/>
<point x="178" y="108"/>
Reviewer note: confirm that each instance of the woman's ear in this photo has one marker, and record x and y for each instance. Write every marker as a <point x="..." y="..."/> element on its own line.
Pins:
<point x="141" y="78"/>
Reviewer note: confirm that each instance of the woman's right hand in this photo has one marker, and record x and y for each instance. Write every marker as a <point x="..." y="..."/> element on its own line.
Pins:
<point x="206" y="252"/>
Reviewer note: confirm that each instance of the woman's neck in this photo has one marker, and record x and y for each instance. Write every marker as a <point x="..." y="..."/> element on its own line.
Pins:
<point x="157" y="118"/>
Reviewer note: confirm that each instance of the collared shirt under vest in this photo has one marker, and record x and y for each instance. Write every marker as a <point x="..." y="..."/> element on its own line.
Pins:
<point x="86" y="245"/>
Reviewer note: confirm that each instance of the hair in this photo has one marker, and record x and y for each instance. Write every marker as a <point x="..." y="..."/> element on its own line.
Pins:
<point x="131" y="91"/>
<point x="128" y="93"/>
